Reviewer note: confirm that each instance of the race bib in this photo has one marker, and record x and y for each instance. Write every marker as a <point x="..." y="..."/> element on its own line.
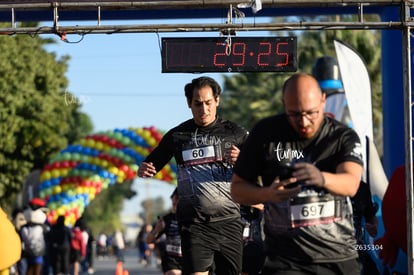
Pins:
<point x="174" y="250"/>
<point x="313" y="210"/>
<point x="246" y="232"/>
<point x="200" y="155"/>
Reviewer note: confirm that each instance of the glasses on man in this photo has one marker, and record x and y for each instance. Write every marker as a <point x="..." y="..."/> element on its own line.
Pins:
<point x="310" y="115"/>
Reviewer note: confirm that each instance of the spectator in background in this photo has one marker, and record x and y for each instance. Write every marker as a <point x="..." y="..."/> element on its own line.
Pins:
<point x="118" y="245"/>
<point x="33" y="236"/>
<point x="90" y="252"/>
<point x="144" y="251"/>
<point x="87" y="262"/>
<point x="102" y="249"/>
<point x="78" y="249"/>
<point x="60" y="237"/>
<point x="19" y="220"/>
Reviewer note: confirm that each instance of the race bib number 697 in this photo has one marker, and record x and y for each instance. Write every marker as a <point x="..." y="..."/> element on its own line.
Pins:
<point x="312" y="213"/>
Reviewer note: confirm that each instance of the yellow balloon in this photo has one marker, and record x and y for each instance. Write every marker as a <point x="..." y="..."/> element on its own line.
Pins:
<point x="106" y="147"/>
<point x="95" y="161"/>
<point x="104" y="163"/>
<point x="99" y="145"/>
<point x="71" y="219"/>
<point x="113" y="170"/>
<point x="138" y="149"/>
<point x="121" y="173"/>
<point x="139" y="131"/>
<point x="152" y="142"/>
<point x="60" y="211"/>
<point x="64" y="172"/>
<point x="55" y="173"/>
<point x="46" y="175"/>
<point x="144" y="152"/>
<point x="90" y="143"/>
<point x="120" y="180"/>
<point x="146" y="134"/>
<point x="56" y="189"/>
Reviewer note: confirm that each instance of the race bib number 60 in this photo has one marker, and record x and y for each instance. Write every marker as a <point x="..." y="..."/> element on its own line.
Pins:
<point x="199" y="155"/>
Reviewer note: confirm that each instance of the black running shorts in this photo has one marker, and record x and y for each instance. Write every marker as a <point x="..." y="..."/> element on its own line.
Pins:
<point x="212" y="246"/>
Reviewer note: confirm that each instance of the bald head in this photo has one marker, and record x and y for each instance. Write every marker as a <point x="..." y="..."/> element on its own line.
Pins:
<point x="301" y="83"/>
<point x="304" y="103"/>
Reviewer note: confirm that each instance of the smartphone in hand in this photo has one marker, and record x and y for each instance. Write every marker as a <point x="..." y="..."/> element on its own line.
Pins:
<point x="286" y="173"/>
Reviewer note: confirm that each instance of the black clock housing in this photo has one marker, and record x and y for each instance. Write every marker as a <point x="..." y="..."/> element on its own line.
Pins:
<point x="229" y="54"/>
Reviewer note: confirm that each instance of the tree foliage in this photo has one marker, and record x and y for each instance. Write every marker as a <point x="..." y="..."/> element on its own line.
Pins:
<point x="249" y="97"/>
<point x="103" y="214"/>
<point x="35" y="120"/>
<point x="153" y="208"/>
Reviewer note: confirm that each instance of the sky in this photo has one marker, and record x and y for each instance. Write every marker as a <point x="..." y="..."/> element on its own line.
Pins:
<point x="118" y="81"/>
<point x="117" y="78"/>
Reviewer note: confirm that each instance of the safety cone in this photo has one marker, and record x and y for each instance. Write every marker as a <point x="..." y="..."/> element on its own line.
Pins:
<point x="119" y="268"/>
<point x="126" y="272"/>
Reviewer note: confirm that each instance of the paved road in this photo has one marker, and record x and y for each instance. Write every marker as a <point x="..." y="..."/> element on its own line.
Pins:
<point x="107" y="265"/>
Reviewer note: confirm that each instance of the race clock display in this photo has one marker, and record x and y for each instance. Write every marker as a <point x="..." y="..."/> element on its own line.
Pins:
<point x="234" y="54"/>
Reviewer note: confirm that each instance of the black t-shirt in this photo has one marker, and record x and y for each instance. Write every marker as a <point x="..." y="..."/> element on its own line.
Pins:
<point x="273" y="144"/>
<point x="60" y="236"/>
<point x="298" y="228"/>
<point x="172" y="234"/>
<point x="203" y="173"/>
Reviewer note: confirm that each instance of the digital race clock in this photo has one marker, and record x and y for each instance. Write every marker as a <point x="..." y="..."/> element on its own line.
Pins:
<point x="233" y="54"/>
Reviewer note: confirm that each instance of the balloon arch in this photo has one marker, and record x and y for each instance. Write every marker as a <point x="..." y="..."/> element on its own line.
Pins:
<point x="74" y="176"/>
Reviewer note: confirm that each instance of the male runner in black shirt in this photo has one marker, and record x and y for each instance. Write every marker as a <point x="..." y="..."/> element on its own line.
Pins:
<point x="205" y="149"/>
<point x="310" y="165"/>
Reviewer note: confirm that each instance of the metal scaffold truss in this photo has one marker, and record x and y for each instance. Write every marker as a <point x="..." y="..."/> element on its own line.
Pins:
<point x="145" y="11"/>
<point x="408" y="128"/>
<point x="101" y="11"/>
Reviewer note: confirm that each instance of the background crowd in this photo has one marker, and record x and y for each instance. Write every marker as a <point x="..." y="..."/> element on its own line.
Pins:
<point x="32" y="246"/>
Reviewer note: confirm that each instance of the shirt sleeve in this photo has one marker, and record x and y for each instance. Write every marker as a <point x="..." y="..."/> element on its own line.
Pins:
<point x="351" y="147"/>
<point x="163" y="153"/>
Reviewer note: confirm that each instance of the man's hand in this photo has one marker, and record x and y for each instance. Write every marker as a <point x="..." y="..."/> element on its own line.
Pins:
<point x="233" y="154"/>
<point x="279" y="190"/>
<point x="309" y="174"/>
<point x="146" y="170"/>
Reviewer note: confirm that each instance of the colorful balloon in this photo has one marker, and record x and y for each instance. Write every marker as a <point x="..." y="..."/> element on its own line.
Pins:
<point x="78" y="173"/>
